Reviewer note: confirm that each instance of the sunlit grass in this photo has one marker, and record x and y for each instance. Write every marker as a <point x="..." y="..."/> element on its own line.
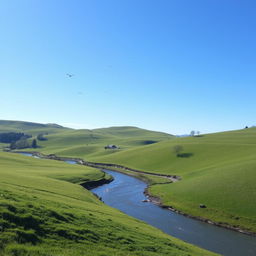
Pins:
<point x="44" y="211"/>
<point x="220" y="172"/>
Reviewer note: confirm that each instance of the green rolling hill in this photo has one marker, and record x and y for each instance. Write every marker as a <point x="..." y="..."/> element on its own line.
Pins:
<point x="84" y="143"/>
<point x="30" y="127"/>
<point x="218" y="170"/>
<point x="44" y="211"/>
<point x="90" y="143"/>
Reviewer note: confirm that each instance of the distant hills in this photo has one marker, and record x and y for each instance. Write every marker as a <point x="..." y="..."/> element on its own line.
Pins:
<point x="217" y="170"/>
<point x="84" y="142"/>
<point x="29" y="127"/>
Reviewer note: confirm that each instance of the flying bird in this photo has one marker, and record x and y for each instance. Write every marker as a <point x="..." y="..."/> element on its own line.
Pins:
<point x="69" y="75"/>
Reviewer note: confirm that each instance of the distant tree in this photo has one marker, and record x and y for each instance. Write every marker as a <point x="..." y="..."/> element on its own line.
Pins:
<point x="177" y="149"/>
<point x="41" y="137"/>
<point x="198" y="133"/>
<point x="192" y="133"/>
<point x="9" y="137"/>
<point x="246" y="127"/>
<point x="20" y="144"/>
<point x="13" y="145"/>
<point x="34" y="143"/>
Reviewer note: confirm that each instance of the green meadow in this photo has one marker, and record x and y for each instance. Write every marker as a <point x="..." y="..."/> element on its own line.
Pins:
<point x="45" y="211"/>
<point x="86" y="144"/>
<point x="218" y="170"/>
<point x="30" y="127"/>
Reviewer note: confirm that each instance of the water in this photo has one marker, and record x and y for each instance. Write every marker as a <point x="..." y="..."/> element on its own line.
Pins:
<point x="70" y="161"/>
<point x="30" y="154"/>
<point x="27" y="154"/>
<point x="126" y="194"/>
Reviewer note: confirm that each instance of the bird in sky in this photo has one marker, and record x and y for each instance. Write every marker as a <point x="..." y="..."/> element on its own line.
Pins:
<point x="69" y="75"/>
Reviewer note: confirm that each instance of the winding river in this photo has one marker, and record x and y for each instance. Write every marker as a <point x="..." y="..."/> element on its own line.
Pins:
<point x="126" y="194"/>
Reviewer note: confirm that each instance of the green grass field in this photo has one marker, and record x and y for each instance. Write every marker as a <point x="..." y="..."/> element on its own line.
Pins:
<point x="44" y="211"/>
<point x="89" y="144"/>
<point x="220" y="172"/>
<point x="29" y="127"/>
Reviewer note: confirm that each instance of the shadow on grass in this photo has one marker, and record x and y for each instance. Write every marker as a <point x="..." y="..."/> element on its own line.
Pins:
<point x="148" y="142"/>
<point x="185" y="155"/>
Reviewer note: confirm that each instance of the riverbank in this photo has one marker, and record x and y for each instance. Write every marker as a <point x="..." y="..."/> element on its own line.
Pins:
<point x="157" y="201"/>
<point x="45" y="211"/>
<point x="126" y="193"/>
<point x="143" y="176"/>
<point x="150" y="178"/>
<point x="96" y="183"/>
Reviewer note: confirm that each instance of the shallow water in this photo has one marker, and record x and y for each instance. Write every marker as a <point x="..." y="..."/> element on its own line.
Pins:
<point x="27" y="154"/>
<point x="70" y="161"/>
<point x="126" y="194"/>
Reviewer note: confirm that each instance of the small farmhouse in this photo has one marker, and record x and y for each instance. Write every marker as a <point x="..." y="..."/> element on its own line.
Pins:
<point x="111" y="147"/>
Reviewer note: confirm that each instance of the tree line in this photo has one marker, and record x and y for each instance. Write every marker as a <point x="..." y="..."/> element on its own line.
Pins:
<point x="9" y="137"/>
<point x="19" y="140"/>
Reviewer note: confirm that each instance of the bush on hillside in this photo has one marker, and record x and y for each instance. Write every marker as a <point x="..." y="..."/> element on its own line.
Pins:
<point x="177" y="149"/>
<point x="41" y="137"/>
<point x="34" y="144"/>
<point x="20" y="144"/>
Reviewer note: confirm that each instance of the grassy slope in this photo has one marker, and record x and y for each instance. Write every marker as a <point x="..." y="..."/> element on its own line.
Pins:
<point x="29" y="127"/>
<point x="221" y="173"/>
<point x="83" y="143"/>
<point x="89" y="144"/>
<point x="45" y="212"/>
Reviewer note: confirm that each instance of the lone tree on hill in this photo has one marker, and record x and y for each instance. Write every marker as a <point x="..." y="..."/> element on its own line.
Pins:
<point x="34" y="143"/>
<point x="192" y="133"/>
<point x="177" y="149"/>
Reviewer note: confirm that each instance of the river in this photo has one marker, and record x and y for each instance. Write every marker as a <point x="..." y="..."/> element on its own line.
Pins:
<point x="126" y="193"/>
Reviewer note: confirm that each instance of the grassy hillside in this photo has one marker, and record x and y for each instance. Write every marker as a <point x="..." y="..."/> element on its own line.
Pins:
<point x="218" y="170"/>
<point x="29" y="127"/>
<point x="45" y="212"/>
<point x="89" y="144"/>
<point x="84" y="143"/>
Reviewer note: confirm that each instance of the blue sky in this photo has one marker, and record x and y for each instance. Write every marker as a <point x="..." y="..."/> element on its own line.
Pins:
<point x="168" y="65"/>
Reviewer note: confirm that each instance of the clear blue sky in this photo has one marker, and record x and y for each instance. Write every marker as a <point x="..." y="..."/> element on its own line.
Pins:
<point x="168" y="65"/>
